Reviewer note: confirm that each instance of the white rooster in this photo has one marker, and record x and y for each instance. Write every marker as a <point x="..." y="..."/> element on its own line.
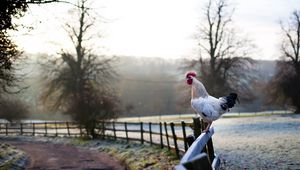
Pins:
<point x="208" y="107"/>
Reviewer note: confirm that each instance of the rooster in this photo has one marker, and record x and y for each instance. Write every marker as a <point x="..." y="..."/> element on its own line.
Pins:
<point x="208" y="107"/>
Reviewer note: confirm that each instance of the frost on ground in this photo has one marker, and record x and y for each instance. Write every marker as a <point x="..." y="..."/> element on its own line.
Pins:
<point x="271" y="142"/>
<point x="11" y="158"/>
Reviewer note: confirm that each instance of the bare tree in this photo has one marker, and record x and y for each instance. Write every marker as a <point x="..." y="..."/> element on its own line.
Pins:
<point x="80" y="83"/>
<point x="284" y="86"/>
<point x="224" y="54"/>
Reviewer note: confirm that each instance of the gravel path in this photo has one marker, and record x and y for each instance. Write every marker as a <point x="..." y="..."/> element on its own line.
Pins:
<point x="271" y="142"/>
<point x="45" y="155"/>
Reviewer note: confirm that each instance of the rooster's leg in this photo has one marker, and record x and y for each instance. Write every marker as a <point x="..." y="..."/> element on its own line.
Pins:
<point x="207" y="127"/>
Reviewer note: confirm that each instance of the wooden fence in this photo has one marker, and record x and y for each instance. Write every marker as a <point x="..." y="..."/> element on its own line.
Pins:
<point x="164" y="134"/>
<point x="200" y="154"/>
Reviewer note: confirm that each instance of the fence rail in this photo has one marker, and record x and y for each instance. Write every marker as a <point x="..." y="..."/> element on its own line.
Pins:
<point x="200" y="155"/>
<point x="164" y="134"/>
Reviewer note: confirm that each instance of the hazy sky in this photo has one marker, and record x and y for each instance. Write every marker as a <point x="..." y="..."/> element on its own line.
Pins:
<point x="153" y="28"/>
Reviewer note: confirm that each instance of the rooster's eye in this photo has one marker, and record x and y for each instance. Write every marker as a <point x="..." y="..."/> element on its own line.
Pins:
<point x="189" y="81"/>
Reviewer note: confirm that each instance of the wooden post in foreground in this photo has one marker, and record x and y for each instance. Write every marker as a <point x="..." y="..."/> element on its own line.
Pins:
<point x="210" y="150"/>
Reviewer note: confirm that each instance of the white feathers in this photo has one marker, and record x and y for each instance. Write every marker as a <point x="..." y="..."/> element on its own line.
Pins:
<point x="208" y="107"/>
<point x="198" y="89"/>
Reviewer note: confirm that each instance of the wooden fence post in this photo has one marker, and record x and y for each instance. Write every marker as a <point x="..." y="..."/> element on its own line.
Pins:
<point x="203" y="125"/>
<point x="21" y="128"/>
<point x="103" y="129"/>
<point x="33" y="129"/>
<point x="184" y="135"/>
<point x="46" y="131"/>
<point x="161" y="135"/>
<point x="56" y="133"/>
<point x="210" y="150"/>
<point x="150" y="129"/>
<point x="197" y="127"/>
<point x="80" y="130"/>
<point x="68" y="128"/>
<point x="6" y="129"/>
<point x="126" y="131"/>
<point x="114" y="129"/>
<point x="175" y="139"/>
<point x="167" y="136"/>
<point x="142" y="133"/>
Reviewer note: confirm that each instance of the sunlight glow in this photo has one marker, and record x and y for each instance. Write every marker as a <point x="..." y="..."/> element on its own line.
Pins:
<point x="151" y="28"/>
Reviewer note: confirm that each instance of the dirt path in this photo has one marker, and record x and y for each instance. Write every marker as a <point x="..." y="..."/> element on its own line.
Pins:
<point x="46" y="156"/>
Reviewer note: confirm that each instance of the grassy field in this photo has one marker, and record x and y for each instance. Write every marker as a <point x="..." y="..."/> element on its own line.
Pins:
<point x="261" y="142"/>
<point x="189" y="117"/>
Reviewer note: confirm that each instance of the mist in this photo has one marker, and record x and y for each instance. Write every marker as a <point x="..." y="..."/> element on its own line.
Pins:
<point x="146" y="86"/>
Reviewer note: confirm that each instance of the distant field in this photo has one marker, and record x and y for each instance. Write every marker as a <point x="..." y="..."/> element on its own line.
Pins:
<point x="262" y="142"/>
<point x="171" y="118"/>
<point x="188" y="117"/>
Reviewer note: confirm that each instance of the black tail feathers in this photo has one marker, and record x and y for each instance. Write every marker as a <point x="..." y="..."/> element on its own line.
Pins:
<point x="230" y="101"/>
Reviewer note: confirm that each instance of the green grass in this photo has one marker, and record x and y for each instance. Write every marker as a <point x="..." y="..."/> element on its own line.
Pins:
<point x="143" y="157"/>
<point x="135" y="155"/>
<point x="10" y="157"/>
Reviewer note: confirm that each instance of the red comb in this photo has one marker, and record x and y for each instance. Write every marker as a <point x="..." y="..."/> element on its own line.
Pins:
<point x="191" y="73"/>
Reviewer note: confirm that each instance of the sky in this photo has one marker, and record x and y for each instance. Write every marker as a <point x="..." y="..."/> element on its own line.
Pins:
<point x="151" y="28"/>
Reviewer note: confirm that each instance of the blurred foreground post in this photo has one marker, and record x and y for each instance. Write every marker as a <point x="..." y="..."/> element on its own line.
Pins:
<point x="196" y="156"/>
